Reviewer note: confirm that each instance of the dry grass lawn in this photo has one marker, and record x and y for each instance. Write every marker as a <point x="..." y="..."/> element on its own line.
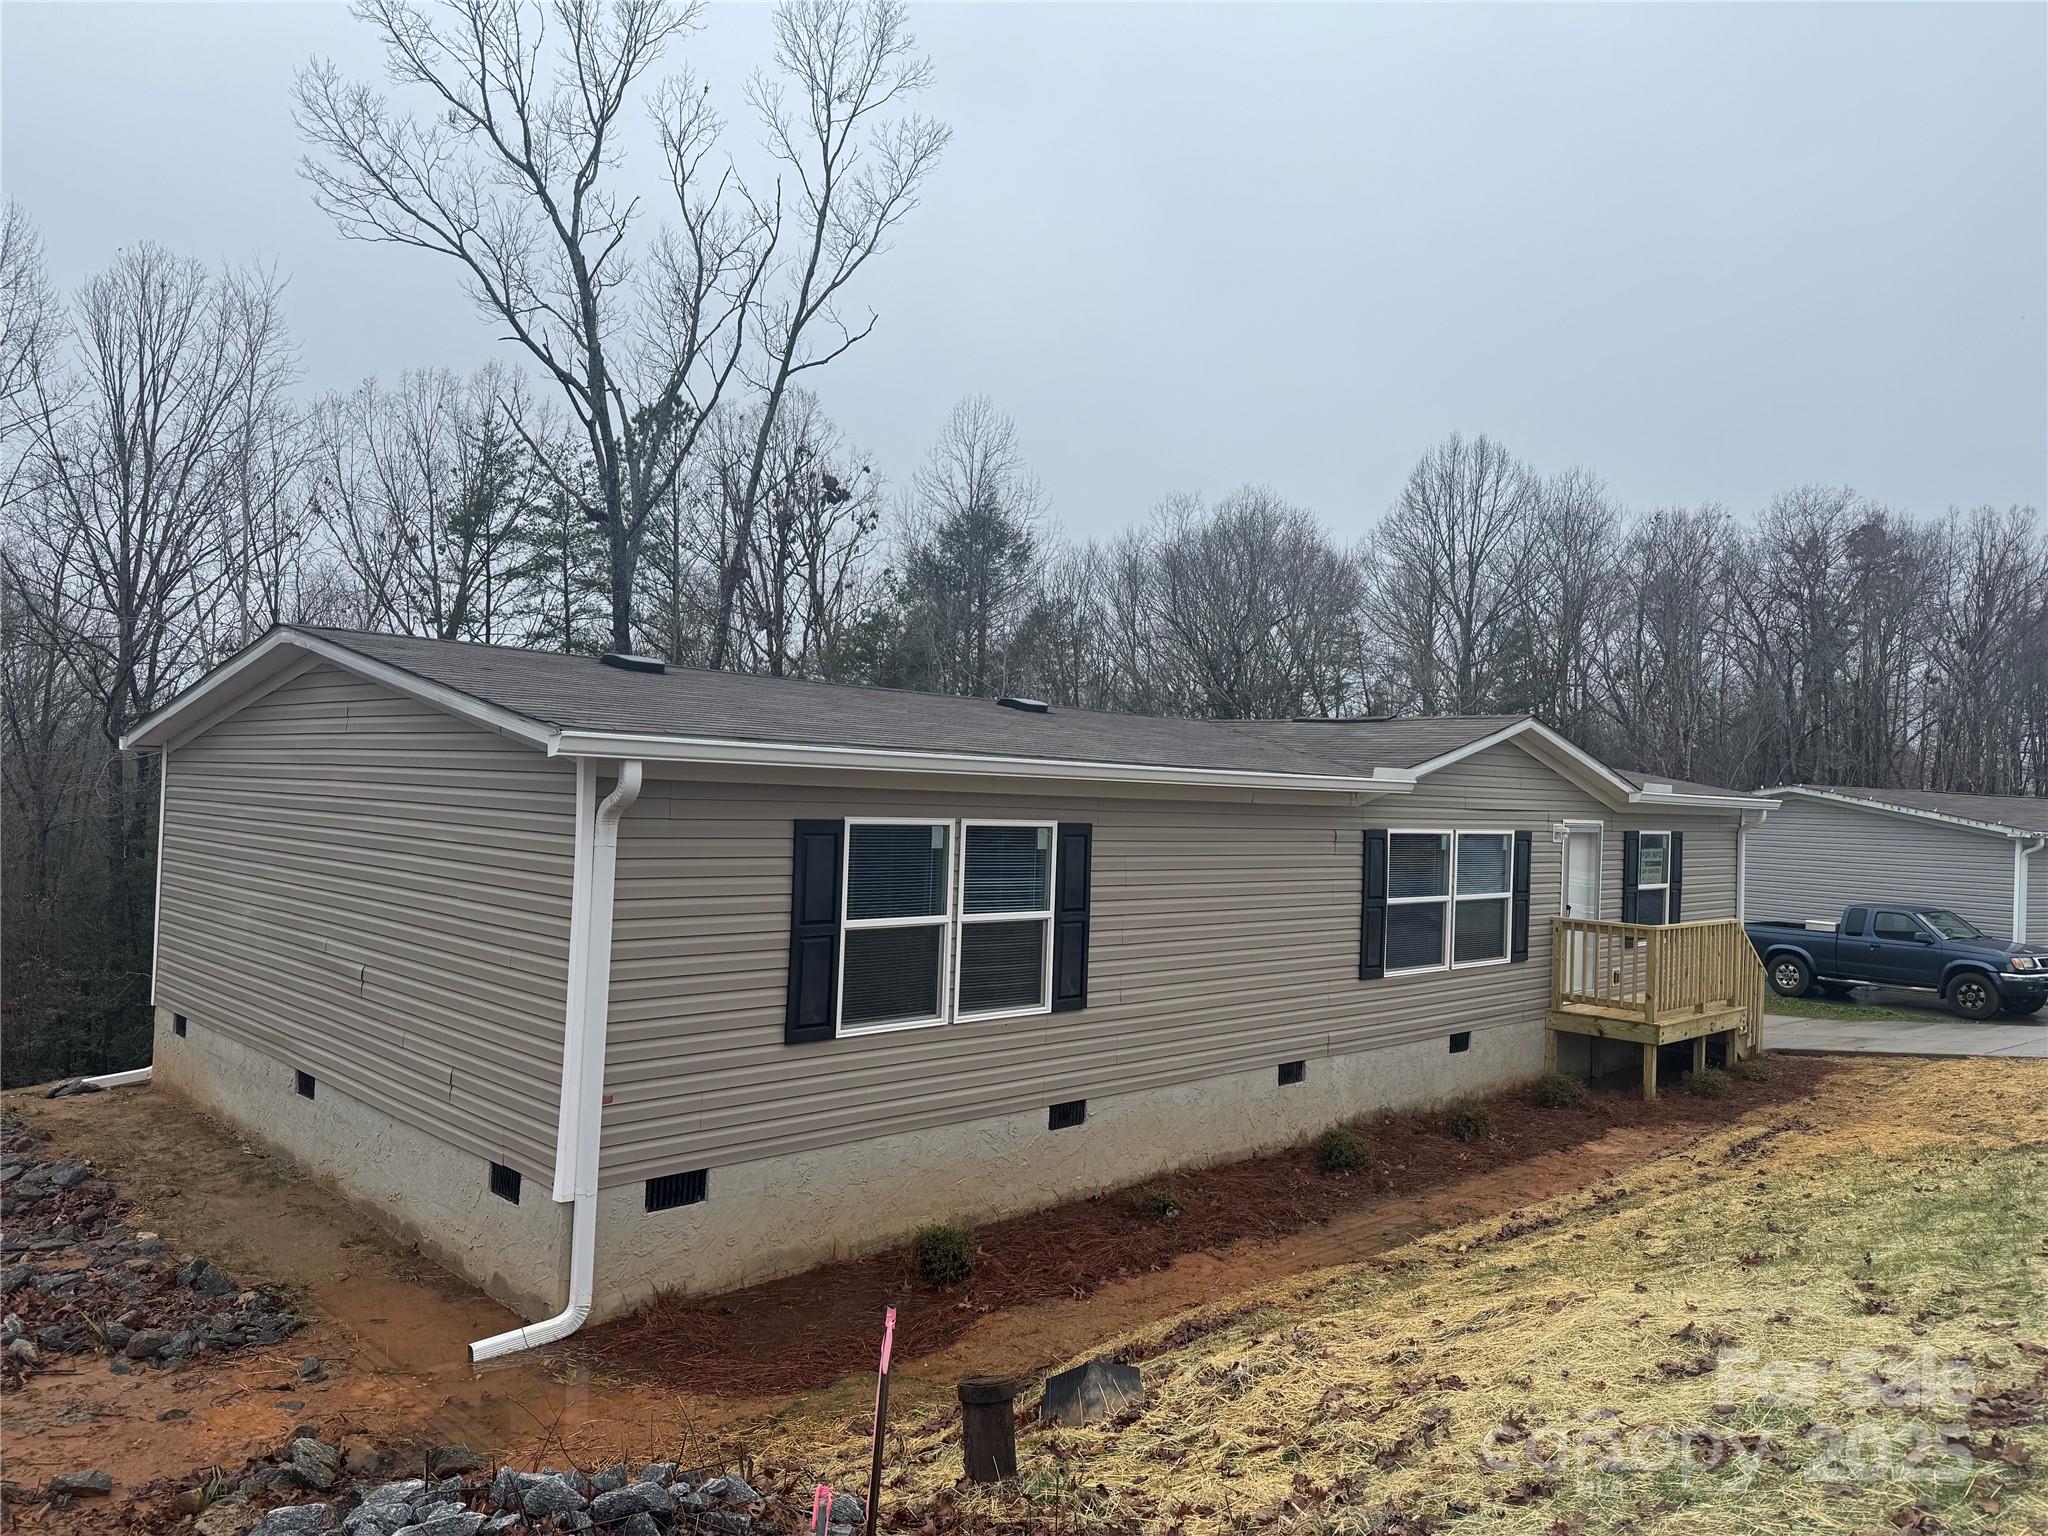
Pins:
<point x="1831" y="1317"/>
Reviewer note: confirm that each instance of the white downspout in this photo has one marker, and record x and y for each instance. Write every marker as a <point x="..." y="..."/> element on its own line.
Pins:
<point x="583" y="1050"/>
<point x="156" y="936"/>
<point x="1742" y="827"/>
<point x="2020" y="855"/>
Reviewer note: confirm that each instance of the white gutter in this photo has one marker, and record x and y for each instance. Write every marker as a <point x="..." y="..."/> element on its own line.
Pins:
<point x="583" y="1047"/>
<point x="2020" y="855"/>
<point x="120" y="1079"/>
<point x="770" y="754"/>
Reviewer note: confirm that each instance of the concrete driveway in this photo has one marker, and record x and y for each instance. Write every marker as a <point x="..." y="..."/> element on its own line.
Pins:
<point x="1927" y="1033"/>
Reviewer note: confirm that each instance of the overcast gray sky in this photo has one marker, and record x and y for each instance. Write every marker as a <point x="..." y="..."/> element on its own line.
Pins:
<point x="1710" y="251"/>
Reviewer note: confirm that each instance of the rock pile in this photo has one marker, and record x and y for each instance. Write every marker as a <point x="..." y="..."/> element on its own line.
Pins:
<point x="77" y="1279"/>
<point x="660" y="1499"/>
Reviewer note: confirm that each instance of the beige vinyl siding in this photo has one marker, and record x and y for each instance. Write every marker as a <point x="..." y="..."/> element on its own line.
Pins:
<point x="1225" y="937"/>
<point x="1811" y="858"/>
<point x="377" y="893"/>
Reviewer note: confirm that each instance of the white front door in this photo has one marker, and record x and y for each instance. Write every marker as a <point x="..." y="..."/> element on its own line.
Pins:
<point x="1581" y="898"/>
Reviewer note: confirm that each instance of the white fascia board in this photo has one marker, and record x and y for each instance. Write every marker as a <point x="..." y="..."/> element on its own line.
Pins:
<point x="1886" y="808"/>
<point x="729" y="752"/>
<point x="221" y="691"/>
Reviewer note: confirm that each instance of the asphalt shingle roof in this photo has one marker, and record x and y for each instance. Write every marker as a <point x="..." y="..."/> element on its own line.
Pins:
<point x="579" y="693"/>
<point x="2019" y="813"/>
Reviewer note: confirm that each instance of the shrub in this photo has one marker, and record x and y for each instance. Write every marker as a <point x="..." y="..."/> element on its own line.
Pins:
<point x="1707" y="1083"/>
<point x="1754" y="1069"/>
<point x="1468" y="1122"/>
<point x="1553" y="1090"/>
<point x="944" y="1253"/>
<point x="1153" y="1202"/>
<point x="1342" y="1150"/>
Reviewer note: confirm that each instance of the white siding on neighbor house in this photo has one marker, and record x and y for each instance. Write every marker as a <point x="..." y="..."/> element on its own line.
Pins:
<point x="2037" y="895"/>
<point x="1225" y="938"/>
<point x="374" y="892"/>
<point x="1812" y="858"/>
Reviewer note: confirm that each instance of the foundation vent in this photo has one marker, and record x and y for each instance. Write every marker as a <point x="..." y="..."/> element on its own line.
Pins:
<point x="674" y="1189"/>
<point x="305" y="1085"/>
<point x="1292" y="1072"/>
<point x="178" y="1025"/>
<point x="1064" y="1117"/>
<point x="505" y="1182"/>
<point x="1461" y="1042"/>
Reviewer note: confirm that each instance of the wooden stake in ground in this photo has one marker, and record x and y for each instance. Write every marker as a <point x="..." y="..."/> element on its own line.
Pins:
<point x="881" y="1417"/>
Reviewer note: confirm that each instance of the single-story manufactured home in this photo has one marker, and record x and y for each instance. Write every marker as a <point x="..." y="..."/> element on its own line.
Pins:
<point x="1974" y="854"/>
<point x="598" y="978"/>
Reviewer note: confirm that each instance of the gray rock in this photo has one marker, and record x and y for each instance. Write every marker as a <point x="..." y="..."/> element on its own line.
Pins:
<point x="460" y="1522"/>
<point x="847" y="1510"/>
<point x="92" y="1482"/>
<point x="840" y="1530"/>
<point x="506" y="1489"/>
<point x="13" y="1278"/>
<point x="310" y="1367"/>
<point x="378" y="1519"/>
<point x="315" y="1463"/>
<point x="207" y="1278"/>
<point x="66" y="1174"/>
<point x="687" y="1497"/>
<point x="663" y="1472"/>
<point x="633" y="1499"/>
<point x="730" y="1490"/>
<point x="71" y="1087"/>
<point x="730" y="1522"/>
<point x="146" y="1344"/>
<point x="638" y="1525"/>
<point x="452" y="1460"/>
<point x="25" y="1351"/>
<point x="403" y="1491"/>
<point x="500" y="1525"/>
<point x="550" y="1496"/>
<point x="434" y="1508"/>
<point x="294" y="1520"/>
<point x="611" y="1477"/>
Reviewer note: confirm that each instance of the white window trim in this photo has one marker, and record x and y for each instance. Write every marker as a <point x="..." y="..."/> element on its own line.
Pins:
<point x="1507" y="897"/>
<point x="963" y="918"/>
<point x="942" y="920"/>
<point x="1450" y="900"/>
<point x="1663" y="885"/>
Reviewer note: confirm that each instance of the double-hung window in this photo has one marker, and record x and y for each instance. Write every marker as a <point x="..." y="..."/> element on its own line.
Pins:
<point x="944" y="920"/>
<point x="1653" y="878"/>
<point x="1449" y="897"/>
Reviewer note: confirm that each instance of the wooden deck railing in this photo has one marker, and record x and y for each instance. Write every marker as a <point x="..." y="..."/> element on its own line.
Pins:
<point x="1658" y="974"/>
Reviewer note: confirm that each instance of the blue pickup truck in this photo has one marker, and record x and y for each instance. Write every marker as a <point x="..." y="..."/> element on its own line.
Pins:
<point x="1895" y="944"/>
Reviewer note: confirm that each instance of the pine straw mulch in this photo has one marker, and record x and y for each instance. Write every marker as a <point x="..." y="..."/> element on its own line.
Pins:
<point x="811" y="1329"/>
<point x="1879" y="1250"/>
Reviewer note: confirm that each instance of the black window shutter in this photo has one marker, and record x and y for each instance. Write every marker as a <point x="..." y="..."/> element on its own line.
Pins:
<point x="1070" y="916"/>
<point x="1631" y="850"/>
<point x="1518" y="909"/>
<point x="1677" y="877"/>
<point x="814" y="933"/>
<point x="1372" y="913"/>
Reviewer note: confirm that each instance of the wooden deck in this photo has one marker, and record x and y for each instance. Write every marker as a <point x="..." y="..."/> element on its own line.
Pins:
<point x="1655" y="985"/>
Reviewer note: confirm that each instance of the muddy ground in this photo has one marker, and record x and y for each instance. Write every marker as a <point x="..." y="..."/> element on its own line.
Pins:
<point x="390" y="1328"/>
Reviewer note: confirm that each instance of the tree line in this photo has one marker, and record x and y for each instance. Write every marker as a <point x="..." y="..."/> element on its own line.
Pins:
<point x="654" y="470"/>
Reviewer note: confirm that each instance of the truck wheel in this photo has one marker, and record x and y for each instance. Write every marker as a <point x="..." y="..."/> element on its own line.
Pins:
<point x="2025" y="1005"/>
<point x="1790" y="976"/>
<point x="1973" y="995"/>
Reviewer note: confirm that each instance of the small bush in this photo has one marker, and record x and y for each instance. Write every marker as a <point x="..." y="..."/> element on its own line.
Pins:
<point x="1342" y="1150"/>
<point x="1154" y="1202"/>
<point x="1754" y="1069"/>
<point x="1708" y="1083"/>
<point x="1468" y="1122"/>
<point x="1553" y="1090"/>
<point x="944" y="1253"/>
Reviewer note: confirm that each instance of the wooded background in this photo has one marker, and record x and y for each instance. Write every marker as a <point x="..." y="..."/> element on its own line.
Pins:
<point x="651" y="469"/>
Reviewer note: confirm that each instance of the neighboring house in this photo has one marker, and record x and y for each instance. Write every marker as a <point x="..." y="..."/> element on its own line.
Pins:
<point x="1975" y="854"/>
<point x="600" y="982"/>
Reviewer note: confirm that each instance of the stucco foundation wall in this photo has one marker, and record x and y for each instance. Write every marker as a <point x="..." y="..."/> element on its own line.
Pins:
<point x="427" y="1193"/>
<point x="780" y="1215"/>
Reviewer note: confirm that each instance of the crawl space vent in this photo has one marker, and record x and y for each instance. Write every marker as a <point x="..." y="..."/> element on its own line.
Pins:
<point x="178" y="1025"/>
<point x="1461" y="1041"/>
<point x="674" y="1189"/>
<point x="1292" y="1072"/>
<point x="505" y="1182"/>
<point x="1064" y="1117"/>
